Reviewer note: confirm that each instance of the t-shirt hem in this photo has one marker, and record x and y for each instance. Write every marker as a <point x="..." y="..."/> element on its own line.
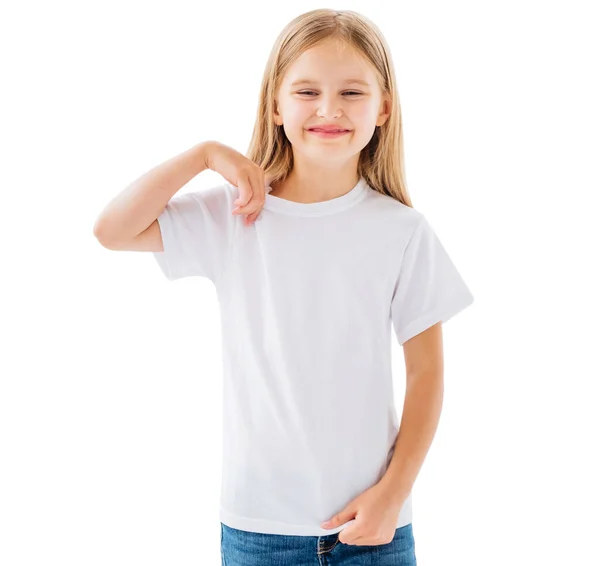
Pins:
<point x="276" y="527"/>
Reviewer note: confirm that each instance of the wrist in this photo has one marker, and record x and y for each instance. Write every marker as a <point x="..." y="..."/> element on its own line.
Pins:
<point x="205" y="150"/>
<point x="396" y="494"/>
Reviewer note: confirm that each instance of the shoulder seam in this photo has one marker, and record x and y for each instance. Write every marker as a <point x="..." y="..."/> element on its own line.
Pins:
<point x="419" y="222"/>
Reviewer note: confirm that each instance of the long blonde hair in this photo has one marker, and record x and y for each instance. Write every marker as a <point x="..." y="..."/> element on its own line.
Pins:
<point x="381" y="161"/>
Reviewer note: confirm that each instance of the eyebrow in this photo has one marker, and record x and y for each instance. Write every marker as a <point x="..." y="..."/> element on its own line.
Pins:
<point x="349" y="81"/>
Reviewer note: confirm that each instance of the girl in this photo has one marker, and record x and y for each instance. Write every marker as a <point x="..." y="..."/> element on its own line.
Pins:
<point x="322" y="255"/>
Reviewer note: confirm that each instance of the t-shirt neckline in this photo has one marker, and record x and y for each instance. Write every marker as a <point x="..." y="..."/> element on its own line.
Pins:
<point x="330" y="206"/>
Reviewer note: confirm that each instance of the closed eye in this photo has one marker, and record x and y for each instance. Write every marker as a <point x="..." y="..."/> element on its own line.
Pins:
<point x="351" y="92"/>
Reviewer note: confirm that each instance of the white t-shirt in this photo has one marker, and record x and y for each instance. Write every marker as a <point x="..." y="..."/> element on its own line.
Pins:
<point x="308" y="295"/>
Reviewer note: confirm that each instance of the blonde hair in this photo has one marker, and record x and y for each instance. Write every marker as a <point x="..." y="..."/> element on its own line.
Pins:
<point x="381" y="161"/>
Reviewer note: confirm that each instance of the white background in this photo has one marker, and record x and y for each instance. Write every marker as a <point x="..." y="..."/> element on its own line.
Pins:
<point x="110" y="397"/>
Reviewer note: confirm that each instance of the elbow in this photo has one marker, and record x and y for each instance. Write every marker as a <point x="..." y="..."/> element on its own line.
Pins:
<point x="100" y="235"/>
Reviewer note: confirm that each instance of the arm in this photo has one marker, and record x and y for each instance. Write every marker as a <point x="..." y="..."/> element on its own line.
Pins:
<point x="137" y="207"/>
<point x="376" y="510"/>
<point x="423" y="355"/>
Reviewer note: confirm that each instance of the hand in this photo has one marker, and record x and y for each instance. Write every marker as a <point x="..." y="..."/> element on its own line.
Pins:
<point x="375" y="513"/>
<point x="240" y="171"/>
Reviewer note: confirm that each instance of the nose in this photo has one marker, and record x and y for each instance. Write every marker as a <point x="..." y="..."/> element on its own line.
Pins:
<point x="329" y="107"/>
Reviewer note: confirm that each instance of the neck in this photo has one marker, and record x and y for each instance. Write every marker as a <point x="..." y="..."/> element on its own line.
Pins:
<point x="316" y="183"/>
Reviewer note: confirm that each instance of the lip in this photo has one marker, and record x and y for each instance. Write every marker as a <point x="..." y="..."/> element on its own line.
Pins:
<point x="327" y="133"/>
<point x="328" y="128"/>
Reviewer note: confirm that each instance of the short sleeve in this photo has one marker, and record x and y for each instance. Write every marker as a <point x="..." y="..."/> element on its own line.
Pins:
<point x="197" y="231"/>
<point x="429" y="289"/>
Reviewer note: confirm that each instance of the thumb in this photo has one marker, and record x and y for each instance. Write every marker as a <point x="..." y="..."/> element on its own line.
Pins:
<point x="242" y="200"/>
<point x="340" y="518"/>
<point x="244" y="192"/>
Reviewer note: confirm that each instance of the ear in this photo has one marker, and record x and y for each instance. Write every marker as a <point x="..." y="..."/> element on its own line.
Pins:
<point x="276" y="116"/>
<point x="385" y="110"/>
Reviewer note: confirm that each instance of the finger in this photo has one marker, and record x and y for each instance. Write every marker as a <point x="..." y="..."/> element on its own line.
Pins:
<point x="257" y="200"/>
<point x="244" y="186"/>
<point x="249" y="204"/>
<point x="245" y="194"/>
<point x="252" y="206"/>
<point x="252" y="217"/>
<point x="263" y="181"/>
<point x="259" y="185"/>
<point x="261" y="190"/>
<point x="350" y="534"/>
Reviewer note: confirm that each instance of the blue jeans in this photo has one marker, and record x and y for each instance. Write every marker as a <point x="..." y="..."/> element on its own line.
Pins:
<point x="244" y="548"/>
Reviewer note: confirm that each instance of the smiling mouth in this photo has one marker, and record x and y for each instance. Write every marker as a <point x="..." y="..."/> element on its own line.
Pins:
<point x="322" y="131"/>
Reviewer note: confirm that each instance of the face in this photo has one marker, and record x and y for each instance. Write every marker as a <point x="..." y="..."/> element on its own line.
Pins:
<point x="330" y="84"/>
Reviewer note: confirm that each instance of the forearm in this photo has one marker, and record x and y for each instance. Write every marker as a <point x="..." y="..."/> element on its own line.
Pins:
<point x="420" y="418"/>
<point x="132" y="210"/>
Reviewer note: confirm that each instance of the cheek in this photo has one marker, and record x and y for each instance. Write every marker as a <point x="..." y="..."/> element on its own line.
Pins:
<point x="297" y="115"/>
<point x="295" y="119"/>
<point x="364" y="114"/>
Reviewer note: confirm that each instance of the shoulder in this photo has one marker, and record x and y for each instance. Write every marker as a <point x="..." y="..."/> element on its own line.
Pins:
<point x="205" y="208"/>
<point x="226" y="189"/>
<point x="223" y="193"/>
<point x="396" y="218"/>
<point x="213" y="198"/>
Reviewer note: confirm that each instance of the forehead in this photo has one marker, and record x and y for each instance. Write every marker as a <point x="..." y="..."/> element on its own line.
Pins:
<point x="330" y="61"/>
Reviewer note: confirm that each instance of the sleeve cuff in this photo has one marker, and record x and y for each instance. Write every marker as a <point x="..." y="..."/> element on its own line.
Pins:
<point x="441" y="314"/>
